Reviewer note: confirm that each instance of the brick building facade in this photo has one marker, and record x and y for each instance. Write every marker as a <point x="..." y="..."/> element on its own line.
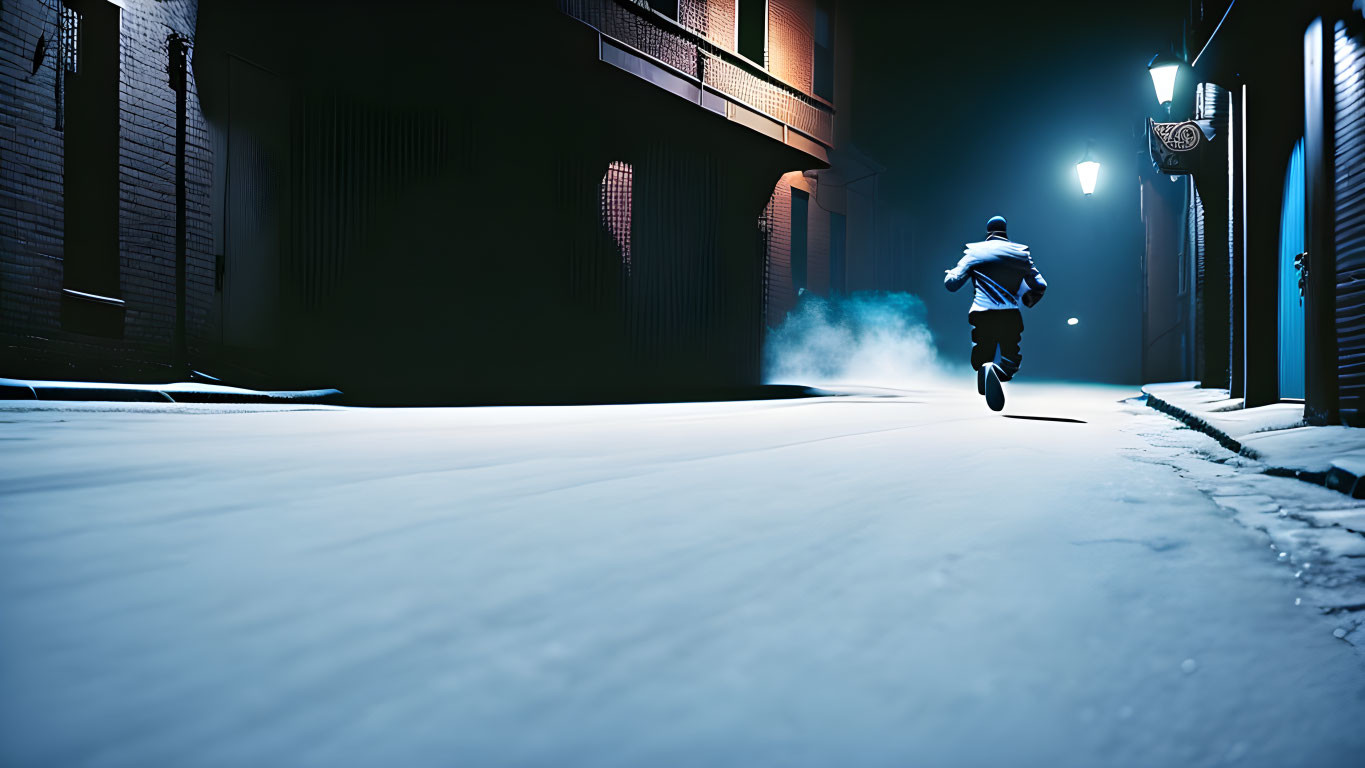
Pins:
<point x="587" y="199"/>
<point x="1255" y="264"/>
<point x="835" y="184"/>
<point x="88" y="190"/>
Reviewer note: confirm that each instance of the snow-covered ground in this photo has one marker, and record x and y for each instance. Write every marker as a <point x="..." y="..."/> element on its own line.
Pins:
<point x="905" y="580"/>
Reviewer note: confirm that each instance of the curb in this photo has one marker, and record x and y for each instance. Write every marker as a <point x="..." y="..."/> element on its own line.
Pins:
<point x="1196" y="423"/>
<point x="1337" y="478"/>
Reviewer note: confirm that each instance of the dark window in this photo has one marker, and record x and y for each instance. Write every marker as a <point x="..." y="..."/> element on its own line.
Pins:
<point x="824" y="50"/>
<point x="838" y="233"/>
<point x="668" y="8"/>
<point x="753" y="30"/>
<point x="90" y="259"/>
<point x="800" y="214"/>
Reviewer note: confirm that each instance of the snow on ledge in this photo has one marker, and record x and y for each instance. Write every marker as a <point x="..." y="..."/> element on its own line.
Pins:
<point x="170" y="388"/>
<point x="1275" y="434"/>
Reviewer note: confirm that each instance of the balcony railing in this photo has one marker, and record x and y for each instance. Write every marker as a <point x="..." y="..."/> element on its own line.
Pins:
<point x="705" y="62"/>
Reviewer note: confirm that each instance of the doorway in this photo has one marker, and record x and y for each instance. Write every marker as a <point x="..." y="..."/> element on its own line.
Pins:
<point x="257" y="159"/>
<point x="1291" y="296"/>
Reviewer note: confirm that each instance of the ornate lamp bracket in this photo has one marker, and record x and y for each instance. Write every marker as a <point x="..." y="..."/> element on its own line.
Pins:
<point x="1174" y="146"/>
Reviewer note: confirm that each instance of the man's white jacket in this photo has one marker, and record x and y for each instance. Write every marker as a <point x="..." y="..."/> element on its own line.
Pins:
<point x="1002" y="272"/>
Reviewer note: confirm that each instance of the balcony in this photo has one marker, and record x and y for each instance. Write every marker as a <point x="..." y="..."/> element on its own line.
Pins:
<point x="704" y="71"/>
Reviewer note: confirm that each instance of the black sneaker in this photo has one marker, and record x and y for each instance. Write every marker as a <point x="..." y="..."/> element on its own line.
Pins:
<point x="981" y="380"/>
<point x="995" y="394"/>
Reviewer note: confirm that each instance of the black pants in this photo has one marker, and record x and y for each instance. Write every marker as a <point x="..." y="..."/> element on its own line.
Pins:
<point x="994" y="328"/>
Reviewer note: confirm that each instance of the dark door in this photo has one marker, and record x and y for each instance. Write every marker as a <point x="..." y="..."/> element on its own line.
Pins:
<point x="1291" y="299"/>
<point x="257" y="200"/>
<point x="800" y="217"/>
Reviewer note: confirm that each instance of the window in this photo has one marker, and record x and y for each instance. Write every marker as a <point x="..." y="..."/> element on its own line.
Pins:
<point x="68" y="57"/>
<point x="824" y="50"/>
<point x="90" y="91"/>
<point x="70" y="39"/>
<point x="752" y="31"/>
<point x="800" y="215"/>
<point x="668" y="8"/>
<point x="615" y="191"/>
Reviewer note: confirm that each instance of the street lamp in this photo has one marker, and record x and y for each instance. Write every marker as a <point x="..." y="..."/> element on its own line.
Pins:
<point x="1088" y="171"/>
<point x="1163" y="68"/>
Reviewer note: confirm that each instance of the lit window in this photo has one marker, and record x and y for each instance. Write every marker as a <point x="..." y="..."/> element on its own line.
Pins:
<point x="70" y="31"/>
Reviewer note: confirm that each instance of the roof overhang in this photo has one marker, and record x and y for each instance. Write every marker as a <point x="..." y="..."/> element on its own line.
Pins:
<point x="1256" y="36"/>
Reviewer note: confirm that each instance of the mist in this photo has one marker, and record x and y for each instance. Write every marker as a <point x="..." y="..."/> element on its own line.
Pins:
<point x="869" y="338"/>
<point x="1017" y="94"/>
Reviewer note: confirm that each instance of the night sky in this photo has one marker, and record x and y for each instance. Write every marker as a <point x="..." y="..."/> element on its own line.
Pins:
<point x="984" y="108"/>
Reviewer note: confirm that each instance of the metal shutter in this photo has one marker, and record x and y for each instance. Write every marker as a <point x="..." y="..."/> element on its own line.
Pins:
<point x="1196" y="249"/>
<point x="1349" y="161"/>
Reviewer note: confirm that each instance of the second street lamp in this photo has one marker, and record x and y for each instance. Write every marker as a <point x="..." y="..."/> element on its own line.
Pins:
<point x="1088" y="171"/>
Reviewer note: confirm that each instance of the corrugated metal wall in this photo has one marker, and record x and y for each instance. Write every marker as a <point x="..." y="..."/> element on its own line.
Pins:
<point x="675" y="270"/>
<point x="349" y="160"/>
<point x="1349" y="195"/>
<point x="1211" y="231"/>
<point x="673" y="316"/>
<point x="1197" y="250"/>
<point x="256" y="218"/>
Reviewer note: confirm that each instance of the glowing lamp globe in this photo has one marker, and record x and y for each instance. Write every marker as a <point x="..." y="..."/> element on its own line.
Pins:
<point x="1163" y="69"/>
<point x="1088" y="171"/>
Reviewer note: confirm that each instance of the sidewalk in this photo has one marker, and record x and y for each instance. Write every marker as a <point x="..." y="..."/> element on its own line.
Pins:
<point x="1274" y="435"/>
<point x="178" y="392"/>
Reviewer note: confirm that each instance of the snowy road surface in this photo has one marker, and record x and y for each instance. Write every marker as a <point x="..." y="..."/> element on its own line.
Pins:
<point x="901" y="581"/>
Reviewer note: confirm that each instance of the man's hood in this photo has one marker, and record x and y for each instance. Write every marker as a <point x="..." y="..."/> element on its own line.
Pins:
<point x="998" y="249"/>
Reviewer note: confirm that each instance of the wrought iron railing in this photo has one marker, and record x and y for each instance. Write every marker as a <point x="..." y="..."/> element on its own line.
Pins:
<point x="693" y="55"/>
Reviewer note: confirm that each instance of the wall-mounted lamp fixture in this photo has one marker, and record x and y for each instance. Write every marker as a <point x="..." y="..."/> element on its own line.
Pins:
<point x="1163" y="68"/>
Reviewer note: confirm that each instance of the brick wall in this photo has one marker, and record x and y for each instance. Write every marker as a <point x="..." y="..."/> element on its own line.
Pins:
<point x="147" y="181"/>
<point x="780" y="292"/>
<point x="712" y="19"/>
<point x="781" y="296"/>
<point x="32" y="191"/>
<point x="791" y="42"/>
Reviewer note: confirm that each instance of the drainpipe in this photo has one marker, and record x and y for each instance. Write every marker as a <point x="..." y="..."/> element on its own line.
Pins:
<point x="179" y="50"/>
